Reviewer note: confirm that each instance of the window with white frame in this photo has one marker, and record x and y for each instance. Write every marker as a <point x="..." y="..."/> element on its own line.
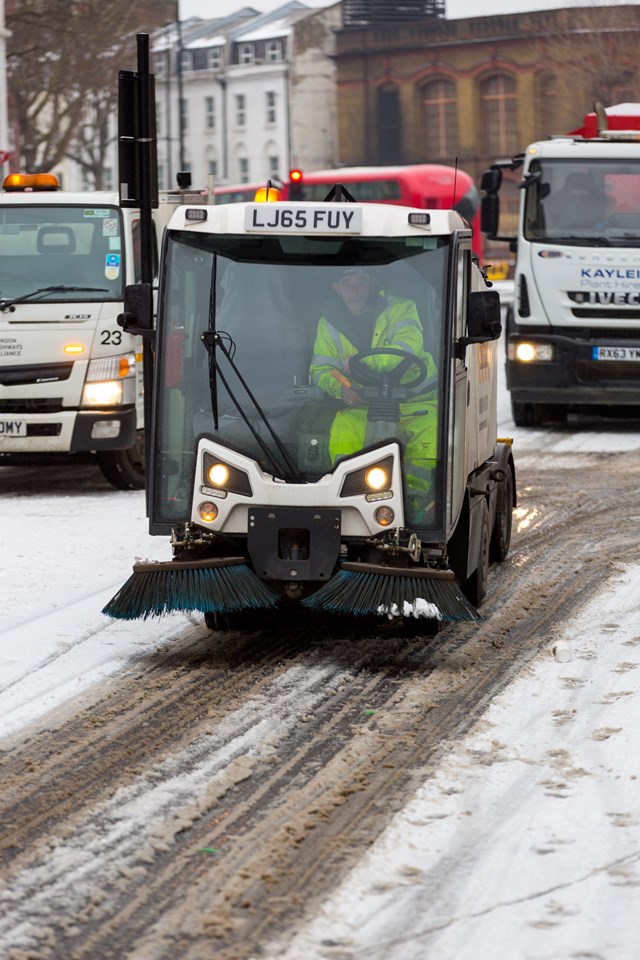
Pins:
<point x="160" y="63"/>
<point x="273" y="50"/>
<point x="186" y="62"/>
<point x="274" y="166"/>
<point x="215" y="58"/>
<point x="243" y="166"/>
<point x="241" y="109"/>
<point x="271" y="106"/>
<point x="210" y="113"/>
<point x="200" y="59"/>
<point x="246" y="53"/>
<point x="212" y="168"/>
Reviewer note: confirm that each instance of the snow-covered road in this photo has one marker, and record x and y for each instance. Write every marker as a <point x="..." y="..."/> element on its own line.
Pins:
<point x="524" y="839"/>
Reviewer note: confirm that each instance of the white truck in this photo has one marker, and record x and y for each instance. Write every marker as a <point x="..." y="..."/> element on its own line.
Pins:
<point x="573" y="335"/>
<point x="265" y="500"/>
<point x="70" y="376"/>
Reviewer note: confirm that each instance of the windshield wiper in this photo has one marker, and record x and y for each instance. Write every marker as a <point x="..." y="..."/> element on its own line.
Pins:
<point x="7" y="302"/>
<point x="213" y="339"/>
<point x="573" y="241"/>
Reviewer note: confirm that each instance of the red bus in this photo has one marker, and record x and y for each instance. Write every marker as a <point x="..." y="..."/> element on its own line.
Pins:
<point x="423" y="185"/>
<point x="237" y="192"/>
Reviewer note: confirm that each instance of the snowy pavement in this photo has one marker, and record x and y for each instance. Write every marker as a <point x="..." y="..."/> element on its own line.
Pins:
<point x="524" y="841"/>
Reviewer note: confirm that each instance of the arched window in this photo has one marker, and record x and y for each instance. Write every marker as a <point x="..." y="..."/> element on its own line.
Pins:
<point x="547" y="98"/>
<point x="498" y="105"/>
<point x="440" y="120"/>
<point x="389" y="125"/>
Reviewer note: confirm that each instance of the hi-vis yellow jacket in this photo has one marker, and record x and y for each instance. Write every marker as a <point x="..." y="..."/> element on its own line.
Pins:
<point x="397" y="325"/>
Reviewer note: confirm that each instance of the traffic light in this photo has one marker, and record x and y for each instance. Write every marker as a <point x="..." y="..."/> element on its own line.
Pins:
<point x="296" y="189"/>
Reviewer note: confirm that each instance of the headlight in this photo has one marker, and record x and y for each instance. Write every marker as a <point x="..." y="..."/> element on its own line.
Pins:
<point x="218" y="474"/>
<point x="225" y="477"/>
<point x="529" y="352"/>
<point x="108" y="393"/>
<point x="376" y="478"/>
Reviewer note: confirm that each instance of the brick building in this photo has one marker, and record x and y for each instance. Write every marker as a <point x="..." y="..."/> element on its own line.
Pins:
<point x="434" y="90"/>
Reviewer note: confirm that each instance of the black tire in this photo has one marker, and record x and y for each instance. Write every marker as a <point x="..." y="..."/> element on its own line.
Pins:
<point x="124" y="469"/>
<point x="475" y="587"/>
<point x="524" y="414"/>
<point x="502" y="525"/>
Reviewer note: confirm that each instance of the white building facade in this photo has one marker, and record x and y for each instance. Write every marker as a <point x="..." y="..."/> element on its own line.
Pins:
<point x="255" y="94"/>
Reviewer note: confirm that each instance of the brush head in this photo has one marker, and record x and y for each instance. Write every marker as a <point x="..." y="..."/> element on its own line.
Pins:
<point x="225" y="585"/>
<point x="410" y="592"/>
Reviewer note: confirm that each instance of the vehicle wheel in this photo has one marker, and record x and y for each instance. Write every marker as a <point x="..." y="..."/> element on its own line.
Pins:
<point x="554" y="412"/>
<point x="524" y="414"/>
<point x="124" y="469"/>
<point x="501" y="533"/>
<point x="475" y="587"/>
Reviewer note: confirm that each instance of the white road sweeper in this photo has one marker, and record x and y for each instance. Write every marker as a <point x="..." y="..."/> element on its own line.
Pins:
<point x="323" y="424"/>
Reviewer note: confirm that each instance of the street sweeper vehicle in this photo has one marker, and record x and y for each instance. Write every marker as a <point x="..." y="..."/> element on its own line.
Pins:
<point x="70" y="376"/>
<point x="324" y="414"/>
<point x="573" y="335"/>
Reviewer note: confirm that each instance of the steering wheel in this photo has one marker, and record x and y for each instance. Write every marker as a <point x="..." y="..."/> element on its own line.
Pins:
<point x="377" y="378"/>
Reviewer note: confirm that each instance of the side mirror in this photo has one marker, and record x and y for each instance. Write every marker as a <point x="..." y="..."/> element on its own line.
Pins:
<point x="490" y="203"/>
<point x="483" y="315"/>
<point x="491" y="180"/>
<point x="138" y="310"/>
<point x="483" y="320"/>
<point x="490" y="215"/>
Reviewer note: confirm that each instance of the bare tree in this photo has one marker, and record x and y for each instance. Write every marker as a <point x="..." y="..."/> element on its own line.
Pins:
<point x="63" y="58"/>
<point x="596" y="64"/>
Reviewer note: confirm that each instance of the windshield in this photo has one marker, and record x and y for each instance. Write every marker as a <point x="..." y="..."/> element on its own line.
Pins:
<point x="594" y="202"/>
<point x="290" y="313"/>
<point x="50" y="248"/>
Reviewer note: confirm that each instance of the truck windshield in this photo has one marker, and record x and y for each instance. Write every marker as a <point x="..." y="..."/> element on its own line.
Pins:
<point x="66" y="252"/>
<point x="288" y="312"/>
<point x="583" y="202"/>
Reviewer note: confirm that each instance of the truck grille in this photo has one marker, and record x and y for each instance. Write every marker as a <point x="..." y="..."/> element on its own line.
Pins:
<point x="604" y="313"/>
<point x="36" y="405"/>
<point x="44" y="429"/>
<point x="594" y="371"/>
<point x="40" y="373"/>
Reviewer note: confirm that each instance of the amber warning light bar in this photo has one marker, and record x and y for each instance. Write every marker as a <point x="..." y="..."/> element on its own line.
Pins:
<point x="25" y="182"/>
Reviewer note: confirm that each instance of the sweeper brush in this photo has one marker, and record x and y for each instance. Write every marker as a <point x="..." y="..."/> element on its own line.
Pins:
<point x="225" y="585"/>
<point x="361" y="589"/>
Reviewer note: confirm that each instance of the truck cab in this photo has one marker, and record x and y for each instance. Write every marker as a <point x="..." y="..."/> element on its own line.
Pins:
<point x="573" y="336"/>
<point x="70" y="376"/>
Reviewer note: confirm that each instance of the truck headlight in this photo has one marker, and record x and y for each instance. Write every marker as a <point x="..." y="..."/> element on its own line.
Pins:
<point x="526" y="351"/>
<point x="110" y="381"/>
<point x="106" y="393"/>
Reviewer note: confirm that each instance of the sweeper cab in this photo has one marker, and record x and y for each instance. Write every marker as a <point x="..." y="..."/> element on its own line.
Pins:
<point x="324" y="426"/>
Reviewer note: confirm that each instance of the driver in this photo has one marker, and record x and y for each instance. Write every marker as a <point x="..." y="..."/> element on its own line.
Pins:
<point x="357" y="318"/>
